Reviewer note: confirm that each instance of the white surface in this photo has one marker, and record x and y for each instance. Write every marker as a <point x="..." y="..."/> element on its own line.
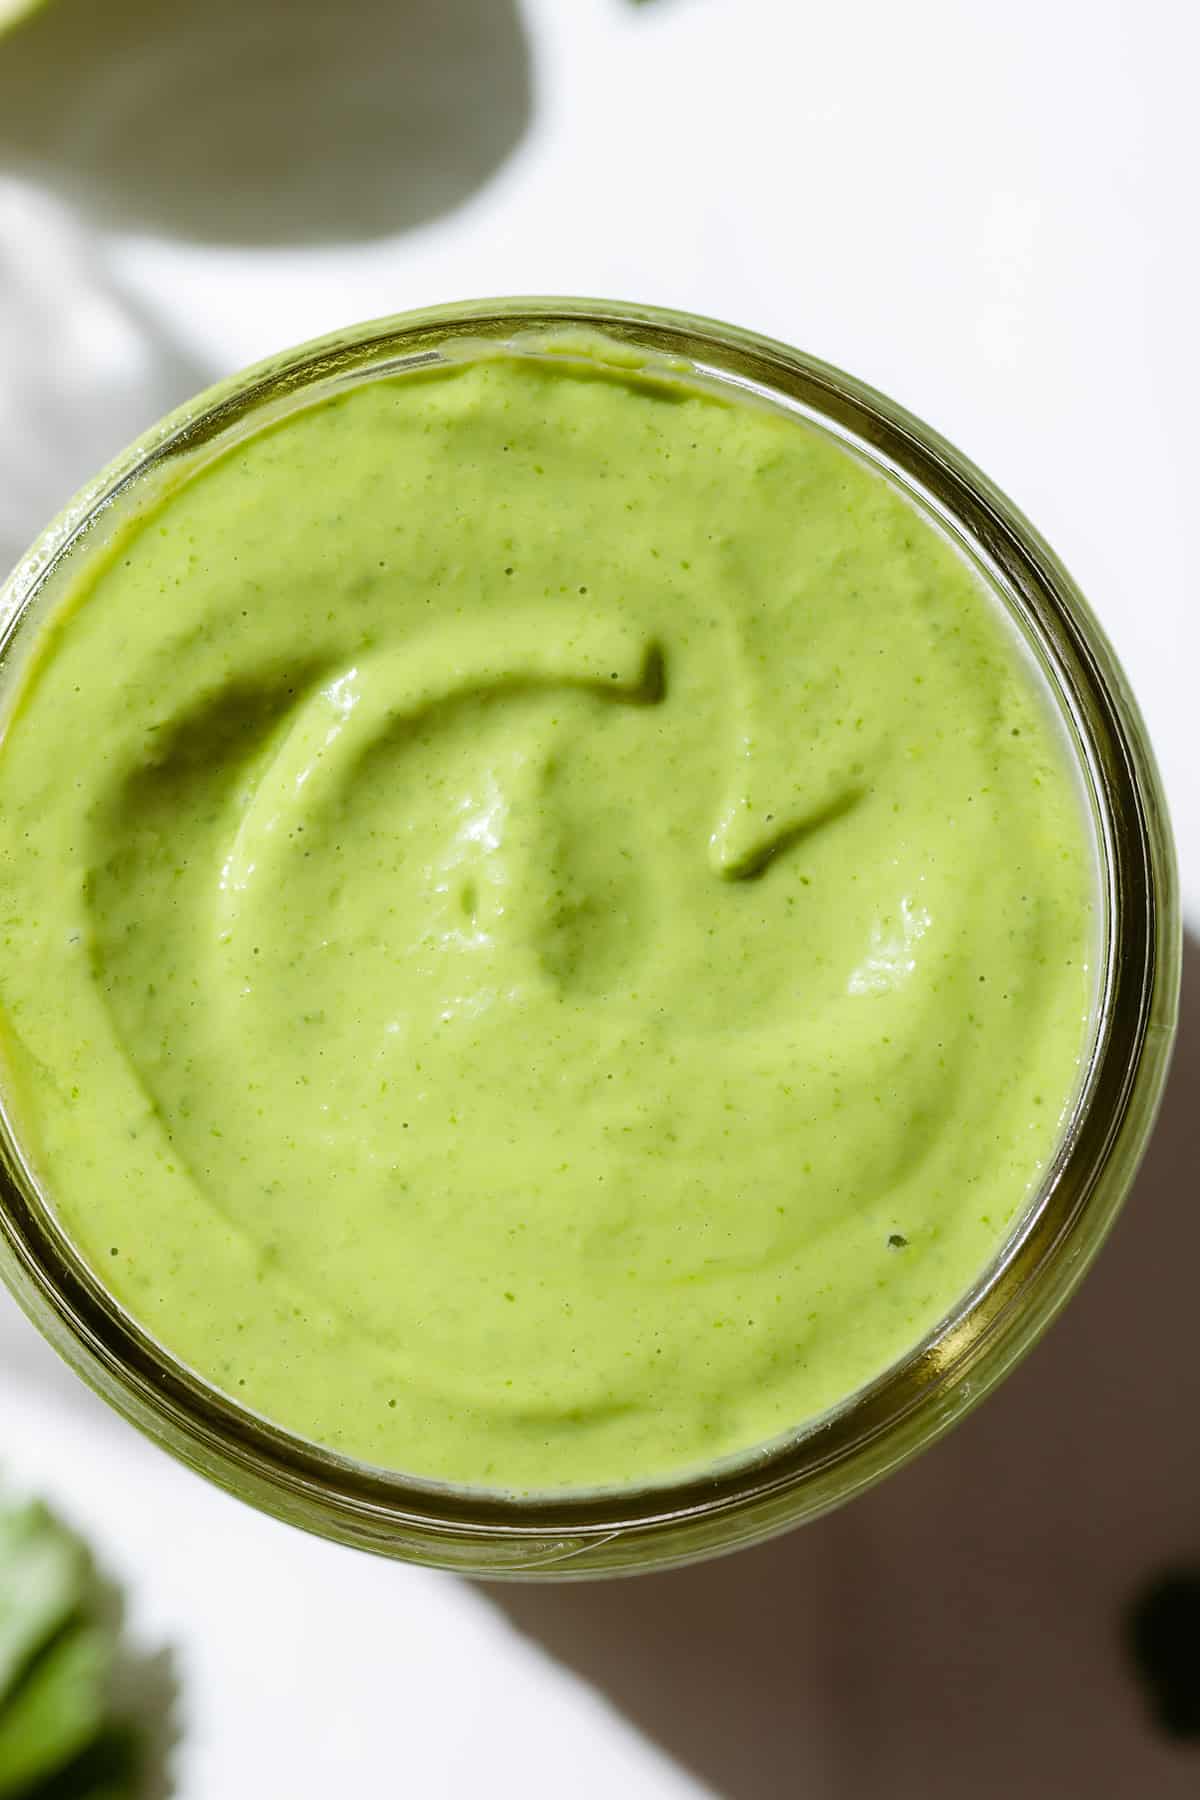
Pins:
<point x="990" y="213"/>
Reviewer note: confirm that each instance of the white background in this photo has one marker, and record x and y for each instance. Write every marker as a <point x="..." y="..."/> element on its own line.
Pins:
<point x="991" y="213"/>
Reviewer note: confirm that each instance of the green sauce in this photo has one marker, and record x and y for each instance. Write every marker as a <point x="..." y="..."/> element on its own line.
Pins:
<point x="546" y="923"/>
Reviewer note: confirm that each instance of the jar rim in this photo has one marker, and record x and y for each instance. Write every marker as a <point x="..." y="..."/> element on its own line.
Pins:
<point x="823" y="1461"/>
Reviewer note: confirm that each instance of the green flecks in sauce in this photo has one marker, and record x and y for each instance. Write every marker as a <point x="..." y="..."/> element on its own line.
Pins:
<point x="514" y="883"/>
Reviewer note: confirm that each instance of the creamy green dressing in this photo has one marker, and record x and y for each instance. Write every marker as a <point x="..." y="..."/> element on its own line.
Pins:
<point x="545" y="923"/>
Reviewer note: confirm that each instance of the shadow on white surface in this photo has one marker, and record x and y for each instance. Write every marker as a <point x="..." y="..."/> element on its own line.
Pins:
<point x="958" y="1630"/>
<point x="84" y="368"/>
<point x="284" y="121"/>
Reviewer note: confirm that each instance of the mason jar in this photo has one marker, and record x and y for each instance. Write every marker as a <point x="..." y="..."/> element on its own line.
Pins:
<point x="823" y="1461"/>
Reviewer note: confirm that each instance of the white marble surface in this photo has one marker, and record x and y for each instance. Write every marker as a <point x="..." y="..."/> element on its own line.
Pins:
<point x="989" y="212"/>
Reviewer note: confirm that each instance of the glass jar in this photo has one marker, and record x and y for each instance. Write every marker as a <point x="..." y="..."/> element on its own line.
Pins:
<point x="1051" y="1244"/>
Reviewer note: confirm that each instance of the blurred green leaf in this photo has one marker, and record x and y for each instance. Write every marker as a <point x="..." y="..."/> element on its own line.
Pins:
<point x="110" y="1769"/>
<point x="59" y="1632"/>
<point x="57" y="1709"/>
<point x="43" y="1581"/>
<point x="12" y="11"/>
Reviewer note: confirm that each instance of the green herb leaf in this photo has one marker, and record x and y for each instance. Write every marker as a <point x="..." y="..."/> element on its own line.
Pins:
<point x="57" y="1710"/>
<point x="109" y="1769"/>
<point x="58" y="1647"/>
<point x="44" y="1574"/>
